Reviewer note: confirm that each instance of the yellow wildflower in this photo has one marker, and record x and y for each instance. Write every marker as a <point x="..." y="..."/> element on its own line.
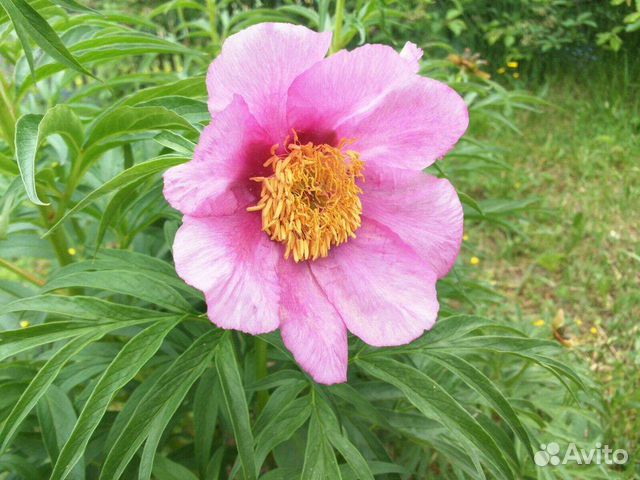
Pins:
<point x="512" y="64"/>
<point x="72" y="251"/>
<point x="539" y="323"/>
<point x="474" y="261"/>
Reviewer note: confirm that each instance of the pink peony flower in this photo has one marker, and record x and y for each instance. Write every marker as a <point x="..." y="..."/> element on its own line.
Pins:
<point x="305" y="207"/>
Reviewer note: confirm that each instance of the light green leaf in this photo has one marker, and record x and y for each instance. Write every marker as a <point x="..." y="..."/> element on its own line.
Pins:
<point x="7" y="113"/>
<point x="25" y="18"/>
<point x="75" y="6"/>
<point x="32" y="130"/>
<point x="128" y="120"/>
<point x="176" y="142"/>
<point x="123" y="179"/>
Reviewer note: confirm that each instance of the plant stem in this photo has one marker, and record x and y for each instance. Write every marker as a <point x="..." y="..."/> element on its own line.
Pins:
<point x="29" y="277"/>
<point x="337" y="27"/>
<point x="261" y="371"/>
<point x="213" y="32"/>
<point x="57" y="238"/>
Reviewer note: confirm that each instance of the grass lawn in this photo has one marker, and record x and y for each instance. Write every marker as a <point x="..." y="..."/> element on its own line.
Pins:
<point x="573" y="270"/>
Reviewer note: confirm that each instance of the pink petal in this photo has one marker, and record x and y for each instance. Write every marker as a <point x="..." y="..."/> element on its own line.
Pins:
<point x="424" y="211"/>
<point x="259" y="63"/>
<point x="412" y="54"/>
<point x="410" y="127"/>
<point x="343" y="84"/>
<point x="383" y="291"/>
<point x="234" y="263"/>
<point x="231" y="149"/>
<point x="311" y="328"/>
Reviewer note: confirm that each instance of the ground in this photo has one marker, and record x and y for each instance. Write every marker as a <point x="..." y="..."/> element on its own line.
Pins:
<point x="575" y="263"/>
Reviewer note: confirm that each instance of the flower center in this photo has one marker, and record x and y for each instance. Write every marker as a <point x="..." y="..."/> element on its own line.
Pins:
<point x="311" y="201"/>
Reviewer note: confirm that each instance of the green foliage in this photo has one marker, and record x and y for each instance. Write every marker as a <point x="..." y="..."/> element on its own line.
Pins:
<point x="117" y="373"/>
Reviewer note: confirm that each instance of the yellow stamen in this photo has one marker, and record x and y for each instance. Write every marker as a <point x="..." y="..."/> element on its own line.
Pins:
<point x="311" y="201"/>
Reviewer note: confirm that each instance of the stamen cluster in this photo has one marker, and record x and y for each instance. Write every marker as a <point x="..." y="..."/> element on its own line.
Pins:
<point x="311" y="201"/>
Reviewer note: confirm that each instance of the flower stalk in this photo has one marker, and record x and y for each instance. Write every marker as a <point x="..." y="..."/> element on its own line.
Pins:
<point x="29" y="277"/>
<point x="212" y="11"/>
<point x="337" y="27"/>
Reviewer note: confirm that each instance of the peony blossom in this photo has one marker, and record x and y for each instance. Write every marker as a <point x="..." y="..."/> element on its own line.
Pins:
<point x="305" y="205"/>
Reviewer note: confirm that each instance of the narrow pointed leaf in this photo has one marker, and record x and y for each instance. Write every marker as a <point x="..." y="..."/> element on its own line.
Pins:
<point x="29" y="20"/>
<point x="133" y="356"/>
<point x="38" y="386"/>
<point x="172" y="385"/>
<point x="236" y="405"/>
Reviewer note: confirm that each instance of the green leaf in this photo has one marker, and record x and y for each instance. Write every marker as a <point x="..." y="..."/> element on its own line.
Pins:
<point x="13" y="342"/>
<point x="205" y="417"/>
<point x="75" y="6"/>
<point x="165" y="469"/>
<point x="127" y="282"/>
<point x="7" y="113"/>
<point x="57" y="416"/>
<point x="32" y="130"/>
<point x="87" y="308"/>
<point x="281" y="427"/>
<point x="341" y="443"/>
<point x="434" y="402"/>
<point x="194" y="86"/>
<point x="25" y="18"/>
<point x="173" y="384"/>
<point x="129" y="361"/>
<point x="40" y="383"/>
<point x="176" y="142"/>
<point x="128" y="120"/>
<point x="119" y="202"/>
<point x="451" y="329"/>
<point x="236" y="405"/>
<point x="319" y="458"/>
<point x="26" y="145"/>
<point x="125" y="178"/>
<point x="485" y="387"/>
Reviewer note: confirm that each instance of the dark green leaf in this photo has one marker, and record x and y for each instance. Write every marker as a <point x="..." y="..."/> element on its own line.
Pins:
<point x="133" y="356"/>
<point x="173" y="384"/>
<point x="236" y="405"/>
